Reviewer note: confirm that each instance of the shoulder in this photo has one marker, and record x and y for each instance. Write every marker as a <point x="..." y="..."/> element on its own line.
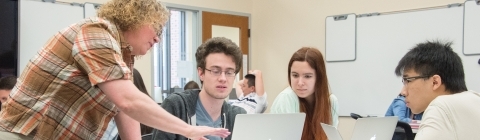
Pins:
<point x="333" y="101"/>
<point x="174" y="97"/>
<point x="446" y="104"/>
<point x="285" y="102"/>
<point x="453" y="99"/>
<point x="234" y="110"/>
<point x="181" y="97"/>
<point x="333" y="98"/>
<point x="100" y="22"/>
<point x="287" y="93"/>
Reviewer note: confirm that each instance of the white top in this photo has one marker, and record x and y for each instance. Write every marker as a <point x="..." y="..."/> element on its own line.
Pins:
<point x="252" y="103"/>
<point x="451" y="117"/>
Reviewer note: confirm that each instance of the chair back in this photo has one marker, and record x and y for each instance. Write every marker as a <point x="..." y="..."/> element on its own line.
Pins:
<point x="407" y="128"/>
<point x="355" y="116"/>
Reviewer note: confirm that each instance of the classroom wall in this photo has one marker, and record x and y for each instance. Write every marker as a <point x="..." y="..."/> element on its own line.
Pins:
<point x="280" y="28"/>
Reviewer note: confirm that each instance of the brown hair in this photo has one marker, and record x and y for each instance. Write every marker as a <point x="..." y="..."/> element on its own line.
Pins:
<point x="320" y="112"/>
<point x="8" y="82"/>
<point x="131" y="14"/>
<point x="219" y="45"/>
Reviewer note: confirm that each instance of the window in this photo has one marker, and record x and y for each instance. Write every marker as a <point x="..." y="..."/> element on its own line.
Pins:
<point x="174" y="57"/>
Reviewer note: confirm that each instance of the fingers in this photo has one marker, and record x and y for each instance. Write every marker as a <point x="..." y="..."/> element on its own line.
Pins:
<point x="221" y="132"/>
<point x="204" y="131"/>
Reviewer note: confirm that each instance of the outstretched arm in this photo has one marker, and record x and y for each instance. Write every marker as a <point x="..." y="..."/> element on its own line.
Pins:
<point x="238" y="89"/>
<point x="140" y="107"/>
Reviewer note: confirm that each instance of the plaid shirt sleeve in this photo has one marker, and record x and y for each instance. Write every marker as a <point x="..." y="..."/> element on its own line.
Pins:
<point x="98" y="54"/>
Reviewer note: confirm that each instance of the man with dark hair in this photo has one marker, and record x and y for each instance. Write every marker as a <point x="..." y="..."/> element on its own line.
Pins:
<point x="218" y="62"/>
<point x="434" y="82"/>
<point x="252" y="96"/>
<point x="6" y="85"/>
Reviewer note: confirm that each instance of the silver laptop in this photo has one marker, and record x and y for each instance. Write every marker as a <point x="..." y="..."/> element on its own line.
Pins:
<point x="268" y="126"/>
<point x="373" y="128"/>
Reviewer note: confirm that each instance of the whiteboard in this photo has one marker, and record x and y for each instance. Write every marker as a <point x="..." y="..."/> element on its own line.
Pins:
<point x="368" y="85"/>
<point x="340" y="38"/>
<point x="471" y="32"/>
<point x="39" y="21"/>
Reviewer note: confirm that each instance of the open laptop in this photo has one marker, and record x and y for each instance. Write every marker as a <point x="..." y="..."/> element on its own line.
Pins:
<point x="373" y="128"/>
<point x="268" y="126"/>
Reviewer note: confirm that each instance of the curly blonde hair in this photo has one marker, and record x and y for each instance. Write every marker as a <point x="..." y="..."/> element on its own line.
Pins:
<point x="131" y="14"/>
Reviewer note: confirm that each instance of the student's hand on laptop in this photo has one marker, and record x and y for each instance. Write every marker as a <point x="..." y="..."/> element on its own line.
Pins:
<point x="198" y="132"/>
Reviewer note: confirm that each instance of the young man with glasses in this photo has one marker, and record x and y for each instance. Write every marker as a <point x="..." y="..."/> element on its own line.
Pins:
<point x="218" y="62"/>
<point x="434" y="82"/>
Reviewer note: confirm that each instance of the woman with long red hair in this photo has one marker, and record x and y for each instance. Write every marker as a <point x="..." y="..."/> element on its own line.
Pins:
<point x="308" y="93"/>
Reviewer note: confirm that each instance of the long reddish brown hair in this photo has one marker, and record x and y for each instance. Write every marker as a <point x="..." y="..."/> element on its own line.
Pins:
<point x="320" y="110"/>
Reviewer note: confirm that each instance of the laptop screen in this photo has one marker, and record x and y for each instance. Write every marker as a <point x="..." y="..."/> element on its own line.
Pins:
<point x="268" y="126"/>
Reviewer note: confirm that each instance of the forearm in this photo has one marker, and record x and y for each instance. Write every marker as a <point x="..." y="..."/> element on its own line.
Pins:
<point x="238" y="91"/>
<point x="147" y="112"/>
<point x="128" y="128"/>
<point x="259" y="88"/>
<point x="140" y="107"/>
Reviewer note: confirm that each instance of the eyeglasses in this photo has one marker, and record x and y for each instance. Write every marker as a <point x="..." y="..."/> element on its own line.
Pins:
<point x="406" y="80"/>
<point x="216" y="72"/>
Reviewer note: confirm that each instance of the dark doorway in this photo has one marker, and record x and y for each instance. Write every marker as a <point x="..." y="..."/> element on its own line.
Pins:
<point x="8" y="37"/>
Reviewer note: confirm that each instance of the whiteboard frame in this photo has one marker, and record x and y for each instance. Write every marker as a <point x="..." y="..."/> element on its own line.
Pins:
<point x="464" y="23"/>
<point x="355" y="37"/>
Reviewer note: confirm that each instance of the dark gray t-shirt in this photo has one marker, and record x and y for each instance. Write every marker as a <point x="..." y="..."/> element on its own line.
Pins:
<point x="204" y="119"/>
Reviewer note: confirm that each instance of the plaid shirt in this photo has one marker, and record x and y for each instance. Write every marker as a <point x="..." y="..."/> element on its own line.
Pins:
<point x="56" y="96"/>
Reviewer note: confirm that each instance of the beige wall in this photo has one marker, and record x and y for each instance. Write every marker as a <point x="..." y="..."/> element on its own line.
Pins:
<point x="281" y="27"/>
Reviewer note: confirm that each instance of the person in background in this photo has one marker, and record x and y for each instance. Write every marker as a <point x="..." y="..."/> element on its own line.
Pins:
<point x="434" y="83"/>
<point x="399" y="108"/>
<point x="82" y="78"/>
<point x="6" y="85"/>
<point x="191" y="85"/>
<point x="308" y="93"/>
<point x="218" y="62"/>
<point x="253" y="97"/>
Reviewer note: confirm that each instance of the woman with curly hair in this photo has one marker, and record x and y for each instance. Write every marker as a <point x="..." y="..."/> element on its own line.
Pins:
<point x="82" y="78"/>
